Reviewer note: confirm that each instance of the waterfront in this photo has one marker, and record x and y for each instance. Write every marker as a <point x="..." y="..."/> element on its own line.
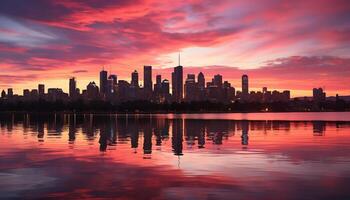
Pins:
<point x="203" y="156"/>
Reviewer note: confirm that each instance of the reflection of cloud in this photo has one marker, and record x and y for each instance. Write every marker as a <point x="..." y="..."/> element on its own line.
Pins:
<point x="14" y="182"/>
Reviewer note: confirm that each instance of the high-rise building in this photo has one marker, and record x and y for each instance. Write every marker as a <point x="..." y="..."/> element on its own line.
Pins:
<point x="158" y="79"/>
<point x="147" y="79"/>
<point x="9" y="92"/>
<point x="191" y="88"/>
<point x="92" y="90"/>
<point x="3" y="94"/>
<point x="217" y="80"/>
<point x="165" y="87"/>
<point x="41" y="89"/>
<point x="318" y="94"/>
<point x="201" y="80"/>
<point x="135" y="79"/>
<point x="158" y="87"/>
<point x="26" y="92"/>
<point x="72" y="87"/>
<point x="177" y="83"/>
<point x="110" y="87"/>
<point x="245" y="86"/>
<point x="114" y="78"/>
<point x="103" y="82"/>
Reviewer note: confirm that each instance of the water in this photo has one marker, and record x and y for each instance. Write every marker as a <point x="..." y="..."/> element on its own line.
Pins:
<point x="207" y="156"/>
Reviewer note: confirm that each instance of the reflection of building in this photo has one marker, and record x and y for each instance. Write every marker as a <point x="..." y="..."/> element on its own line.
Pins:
<point x="319" y="127"/>
<point x="103" y="139"/>
<point x="72" y="128"/>
<point x="245" y="128"/>
<point x="147" y="140"/>
<point x="177" y="136"/>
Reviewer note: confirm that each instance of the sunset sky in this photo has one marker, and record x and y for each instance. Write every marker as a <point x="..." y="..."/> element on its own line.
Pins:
<point x="294" y="45"/>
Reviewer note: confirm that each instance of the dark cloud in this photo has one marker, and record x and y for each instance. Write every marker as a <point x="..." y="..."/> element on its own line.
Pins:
<point x="79" y="71"/>
<point x="43" y="10"/>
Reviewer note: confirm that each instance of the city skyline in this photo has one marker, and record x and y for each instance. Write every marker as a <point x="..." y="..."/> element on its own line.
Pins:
<point x="193" y="88"/>
<point x="295" y="46"/>
<point x="102" y="83"/>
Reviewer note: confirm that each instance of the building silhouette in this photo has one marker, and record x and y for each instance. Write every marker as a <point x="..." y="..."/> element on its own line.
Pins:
<point x="103" y="82"/>
<point x="245" y="87"/>
<point x="147" y="81"/>
<point x="41" y="89"/>
<point x="177" y="83"/>
<point x="72" y="87"/>
<point x="113" y="92"/>
<point x="9" y="93"/>
<point x="135" y="79"/>
<point x="318" y="95"/>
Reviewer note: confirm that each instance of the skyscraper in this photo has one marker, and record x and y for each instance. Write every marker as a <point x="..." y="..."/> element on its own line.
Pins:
<point x="135" y="79"/>
<point x="158" y="86"/>
<point x="158" y="79"/>
<point x="177" y="83"/>
<point x="9" y="92"/>
<point x="245" y="87"/>
<point x="191" y="88"/>
<point x="147" y="79"/>
<point x="41" y="89"/>
<point x="103" y="82"/>
<point x="114" y="78"/>
<point x="218" y="80"/>
<point x="201" y="80"/>
<point x="318" y="94"/>
<point x="72" y="87"/>
<point x="114" y="85"/>
<point x="92" y="90"/>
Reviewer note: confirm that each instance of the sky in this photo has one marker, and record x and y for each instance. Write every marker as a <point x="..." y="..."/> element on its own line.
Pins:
<point x="294" y="45"/>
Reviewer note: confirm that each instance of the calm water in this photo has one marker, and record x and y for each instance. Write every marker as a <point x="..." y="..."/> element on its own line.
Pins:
<point x="207" y="156"/>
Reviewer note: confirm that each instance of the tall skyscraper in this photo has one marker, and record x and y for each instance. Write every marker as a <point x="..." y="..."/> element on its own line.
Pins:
<point x="9" y="92"/>
<point x="92" y="90"/>
<point x="147" y="79"/>
<point x="191" y="93"/>
<point x="3" y="94"/>
<point x="114" y="85"/>
<point x="114" y="78"/>
<point x="318" y="94"/>
<point x="177" y="83"/>
<point x="245" y="86"/>
<point x="41" y="89"/>
<point x="135" y="79"/>
<point x="201" y="80"/>
<point x="158" y="79"/>
<point x="72" y="87"/>
<point x="218" y="80"/>
<point x="103" y="82"/>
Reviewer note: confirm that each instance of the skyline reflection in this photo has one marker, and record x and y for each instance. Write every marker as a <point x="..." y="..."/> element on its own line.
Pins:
<point x="71" y="156"/>
<point x="150" y="131"/>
